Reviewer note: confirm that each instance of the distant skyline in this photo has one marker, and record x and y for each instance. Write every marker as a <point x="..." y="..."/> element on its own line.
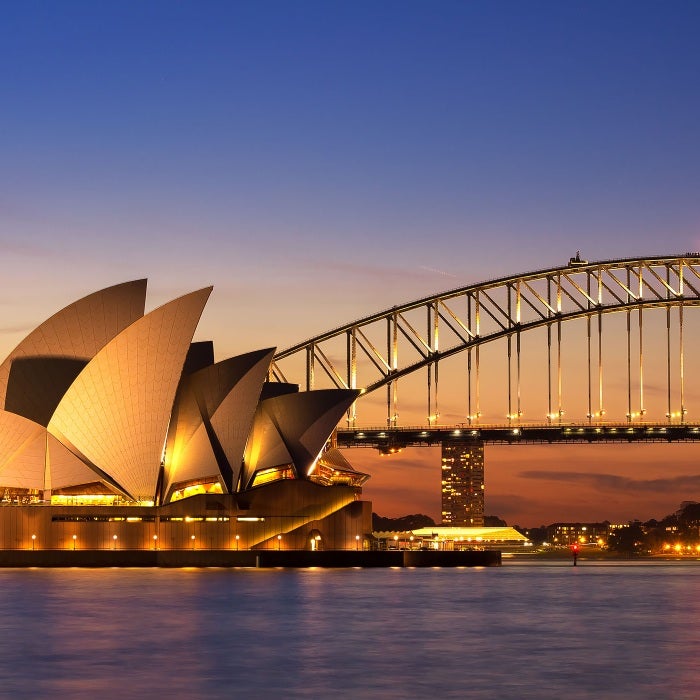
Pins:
<point x="318" y="162"/>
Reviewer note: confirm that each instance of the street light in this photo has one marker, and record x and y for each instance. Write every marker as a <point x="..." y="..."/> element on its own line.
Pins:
<point x="192" y="537"/>
<point x="357" y="542"/>
<point x="279" y="542"/>
<point x="155" y="541"/>
<point x="75" y="537"/>
<point x="33" y="541"/>
<point x="396" y="541"/>
<point x="114" y="537"/>
<point x="238" y="537"/>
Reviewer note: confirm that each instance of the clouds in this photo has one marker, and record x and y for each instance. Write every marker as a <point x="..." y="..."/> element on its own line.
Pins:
<point x="615" y="483"/>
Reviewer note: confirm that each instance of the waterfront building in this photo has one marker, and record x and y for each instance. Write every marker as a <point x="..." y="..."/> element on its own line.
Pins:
<point x="118" y="431"/>
<point x="437" y="537"/>
<point x="463" y="484"/>
<point x="565" y="534"/>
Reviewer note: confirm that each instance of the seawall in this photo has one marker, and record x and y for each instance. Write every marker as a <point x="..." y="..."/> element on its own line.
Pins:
<point x="264" y="558"/>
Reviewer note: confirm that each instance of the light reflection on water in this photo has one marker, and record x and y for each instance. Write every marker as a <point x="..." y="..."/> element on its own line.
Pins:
<point x="519" y="631"/>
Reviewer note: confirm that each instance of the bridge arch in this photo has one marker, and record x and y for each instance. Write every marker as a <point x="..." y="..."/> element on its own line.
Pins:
<point x="378" y="350"/>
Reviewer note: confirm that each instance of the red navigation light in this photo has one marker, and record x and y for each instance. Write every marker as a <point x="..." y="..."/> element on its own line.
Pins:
<point x="574" y="552"/>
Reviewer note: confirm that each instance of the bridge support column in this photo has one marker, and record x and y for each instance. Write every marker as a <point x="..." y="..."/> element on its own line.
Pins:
<point x="463" y="483"/>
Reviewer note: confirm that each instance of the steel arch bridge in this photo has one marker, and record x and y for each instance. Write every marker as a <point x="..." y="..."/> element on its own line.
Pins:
<point x="377" y="351"/>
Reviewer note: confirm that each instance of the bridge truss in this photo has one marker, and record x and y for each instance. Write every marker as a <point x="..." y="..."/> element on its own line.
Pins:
<point x="377" y="351"/>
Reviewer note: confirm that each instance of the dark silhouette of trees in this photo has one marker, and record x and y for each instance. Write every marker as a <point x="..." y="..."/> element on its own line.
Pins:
<point x="628" y="540"/>
<point x="407" y="522"/>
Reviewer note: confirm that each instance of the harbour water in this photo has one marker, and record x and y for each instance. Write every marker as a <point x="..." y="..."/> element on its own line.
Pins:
<point x="525" y="630"/>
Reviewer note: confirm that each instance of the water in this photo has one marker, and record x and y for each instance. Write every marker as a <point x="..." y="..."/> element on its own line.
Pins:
<point x="520" y="631"/>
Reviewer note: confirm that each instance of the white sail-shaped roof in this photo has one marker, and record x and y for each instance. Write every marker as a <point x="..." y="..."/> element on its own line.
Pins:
<point x="196" y="461"/>
<point x="63" y="468"/>
<point x="37" y="372"/>
<point x="293" y="428"/>
<point x="22" y="449"/>
<point x="31" y="458"/>
<point x="116" y="412"/>
<point x="233" y="419"/>
<point x="212" y="421"/>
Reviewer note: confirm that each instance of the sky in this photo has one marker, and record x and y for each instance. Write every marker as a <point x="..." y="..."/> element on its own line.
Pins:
<point x="317" y="162"/>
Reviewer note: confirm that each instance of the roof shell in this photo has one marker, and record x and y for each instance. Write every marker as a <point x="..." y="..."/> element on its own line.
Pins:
<point x="37" y="372"/>
<point x="116" y="412"/>
<point x="293" y="428"/>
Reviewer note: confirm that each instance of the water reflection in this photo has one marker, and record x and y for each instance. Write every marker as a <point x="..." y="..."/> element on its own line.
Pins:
<point x="514" y="632"/>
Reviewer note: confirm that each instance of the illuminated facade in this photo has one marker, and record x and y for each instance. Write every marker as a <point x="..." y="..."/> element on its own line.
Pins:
<point x="437" y="537"/>
<point x="117" y="430"/>
<point x="463" y="484"/>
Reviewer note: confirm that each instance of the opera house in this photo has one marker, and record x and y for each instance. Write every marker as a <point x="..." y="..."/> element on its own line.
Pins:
<point x="119" y="432"/>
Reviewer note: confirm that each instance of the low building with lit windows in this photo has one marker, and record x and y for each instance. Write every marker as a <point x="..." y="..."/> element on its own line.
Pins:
<point x="566" y="534"/>
<point x="119" y="432"/>
<point x="452" y="539"/>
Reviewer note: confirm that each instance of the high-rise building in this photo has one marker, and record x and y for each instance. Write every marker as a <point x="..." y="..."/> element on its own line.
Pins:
<point x="463" y="484"/>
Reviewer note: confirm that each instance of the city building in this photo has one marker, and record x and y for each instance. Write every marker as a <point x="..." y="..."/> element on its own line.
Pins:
<point x="117" y="431"/>
<point x="463" y="484"/>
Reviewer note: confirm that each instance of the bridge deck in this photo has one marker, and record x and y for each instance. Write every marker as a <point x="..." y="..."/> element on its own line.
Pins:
<point x="396" y="438"/>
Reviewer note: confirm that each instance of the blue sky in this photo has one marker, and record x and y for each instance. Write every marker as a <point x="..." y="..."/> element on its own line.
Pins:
<point x="373" y="151"/>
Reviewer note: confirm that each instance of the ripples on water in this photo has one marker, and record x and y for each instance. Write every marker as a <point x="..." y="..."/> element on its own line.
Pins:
<point x="519" y="631"/>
